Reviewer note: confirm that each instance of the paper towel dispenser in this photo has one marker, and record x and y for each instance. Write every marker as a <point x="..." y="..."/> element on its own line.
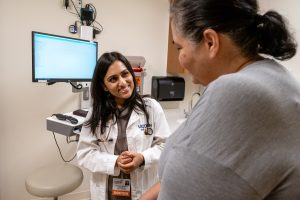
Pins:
<point x="168" y="88"/>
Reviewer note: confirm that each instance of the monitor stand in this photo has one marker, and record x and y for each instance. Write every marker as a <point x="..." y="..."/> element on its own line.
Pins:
<point x="85" y="97"/>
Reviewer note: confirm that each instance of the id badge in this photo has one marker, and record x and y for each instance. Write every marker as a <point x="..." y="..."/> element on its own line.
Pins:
<point x="121" y="187"/>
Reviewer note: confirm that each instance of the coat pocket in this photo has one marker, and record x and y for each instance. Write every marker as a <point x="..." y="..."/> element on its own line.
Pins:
<point x="98" y="186"/>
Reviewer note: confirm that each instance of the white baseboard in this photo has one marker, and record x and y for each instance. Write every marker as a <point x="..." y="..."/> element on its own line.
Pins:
<point x="82" y="195"/>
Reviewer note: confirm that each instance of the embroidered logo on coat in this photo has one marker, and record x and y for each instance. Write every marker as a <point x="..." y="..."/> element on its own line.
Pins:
<point x="143" y="126"/>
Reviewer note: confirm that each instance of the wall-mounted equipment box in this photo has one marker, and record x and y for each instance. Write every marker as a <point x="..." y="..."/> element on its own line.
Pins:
<point x="168" y="88"/>
<point x="64" y="127"/>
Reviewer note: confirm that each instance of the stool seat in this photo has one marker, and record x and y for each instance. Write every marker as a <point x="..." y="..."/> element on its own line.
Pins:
<point x="54" y="180"/>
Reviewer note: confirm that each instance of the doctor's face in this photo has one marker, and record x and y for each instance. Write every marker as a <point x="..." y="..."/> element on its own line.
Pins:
<point x="118" y="81"/>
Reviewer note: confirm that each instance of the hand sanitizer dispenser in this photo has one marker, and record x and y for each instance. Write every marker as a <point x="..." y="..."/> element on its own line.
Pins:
<point x="168" y="88"/>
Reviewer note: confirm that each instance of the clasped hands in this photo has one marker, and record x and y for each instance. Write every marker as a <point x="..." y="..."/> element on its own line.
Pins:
<point x="129" y="161"/>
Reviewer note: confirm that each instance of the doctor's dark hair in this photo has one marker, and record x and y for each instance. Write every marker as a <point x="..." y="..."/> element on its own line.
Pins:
<point x="239" y="19"/>
<point x="104" y="105"/>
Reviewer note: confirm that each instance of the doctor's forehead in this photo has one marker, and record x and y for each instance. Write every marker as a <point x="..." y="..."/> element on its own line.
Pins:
<point x="116" y="67"/>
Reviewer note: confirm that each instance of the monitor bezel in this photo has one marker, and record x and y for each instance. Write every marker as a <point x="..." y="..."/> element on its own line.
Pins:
<point x="44" y="80"/>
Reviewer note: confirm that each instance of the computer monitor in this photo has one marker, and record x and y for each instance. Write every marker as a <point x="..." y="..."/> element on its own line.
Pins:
<point x="62" y="59"/>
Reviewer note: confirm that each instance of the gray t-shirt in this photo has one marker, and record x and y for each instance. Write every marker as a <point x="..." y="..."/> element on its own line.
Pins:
<point x="241" y="142"/>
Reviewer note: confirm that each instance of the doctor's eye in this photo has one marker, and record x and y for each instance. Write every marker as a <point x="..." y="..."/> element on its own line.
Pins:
<point x="125" y="73"/>
<point x="113" y="79"/>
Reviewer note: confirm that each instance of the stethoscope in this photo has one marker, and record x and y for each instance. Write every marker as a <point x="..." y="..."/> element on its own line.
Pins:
<point x="106" y="139"/>
<point x="147" y="131"/>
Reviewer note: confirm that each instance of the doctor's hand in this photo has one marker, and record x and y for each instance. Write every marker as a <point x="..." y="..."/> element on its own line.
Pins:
<point x="128" y="166"/>
<point x="123" y="159"/>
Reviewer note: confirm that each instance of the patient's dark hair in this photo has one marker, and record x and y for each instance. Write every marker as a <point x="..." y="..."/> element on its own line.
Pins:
<point x="239" y="19"/>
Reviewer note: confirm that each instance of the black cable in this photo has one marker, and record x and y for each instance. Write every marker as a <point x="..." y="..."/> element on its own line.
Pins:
<point x="50" y="83"/>
<point x="72" y="13"/>
<point x="96" y="29"/>
<point x="76" y="10"/>
<point x="78" y="87"/>
<point x="90" y="23"/>
<point x="76" y="23"/>
<point x="94" y="13"/>
<point x="101" y="27"/>
<point x="66" y="4"/>
<point x="60" y="150"/>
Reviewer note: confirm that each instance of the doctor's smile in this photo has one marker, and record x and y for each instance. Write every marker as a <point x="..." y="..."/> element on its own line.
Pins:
<point x="111" y="145"/>
<point x="118" y="82"/>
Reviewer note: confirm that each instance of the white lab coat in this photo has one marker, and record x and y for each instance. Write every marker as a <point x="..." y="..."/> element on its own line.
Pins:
<point x="99" y="158"/>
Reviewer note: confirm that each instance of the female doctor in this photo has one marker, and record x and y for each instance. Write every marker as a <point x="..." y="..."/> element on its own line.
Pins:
<point x="123" y="135"/>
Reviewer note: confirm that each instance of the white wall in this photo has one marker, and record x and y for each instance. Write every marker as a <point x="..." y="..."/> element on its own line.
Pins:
<point x="290" y="10"/>
<point x="133" y="27"/>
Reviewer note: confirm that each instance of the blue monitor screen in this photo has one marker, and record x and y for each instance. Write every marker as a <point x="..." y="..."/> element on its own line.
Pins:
<point x="62" y="59"/>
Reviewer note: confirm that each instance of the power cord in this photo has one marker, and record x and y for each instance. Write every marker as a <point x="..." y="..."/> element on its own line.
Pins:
<point x="60" y="150"/>
<point x="78" y="14"/>
<point x="97" y="30"/>
<point x="93" y="8"/>
<point x="97" y="27"/>
<point x="78" y="87"/>
<point x="50" y="83"/>
<point x="66" y="3"/>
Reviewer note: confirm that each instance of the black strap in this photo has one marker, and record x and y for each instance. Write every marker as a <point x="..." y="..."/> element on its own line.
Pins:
<point x="120" y="146"/>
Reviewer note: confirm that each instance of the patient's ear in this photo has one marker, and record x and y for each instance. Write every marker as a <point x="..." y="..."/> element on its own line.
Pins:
<point x="211" y="41"/>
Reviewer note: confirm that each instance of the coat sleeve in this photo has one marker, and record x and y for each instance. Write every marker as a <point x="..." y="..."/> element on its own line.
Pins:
<point x="161" y="132"/>
<point x="91" y="157"/>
